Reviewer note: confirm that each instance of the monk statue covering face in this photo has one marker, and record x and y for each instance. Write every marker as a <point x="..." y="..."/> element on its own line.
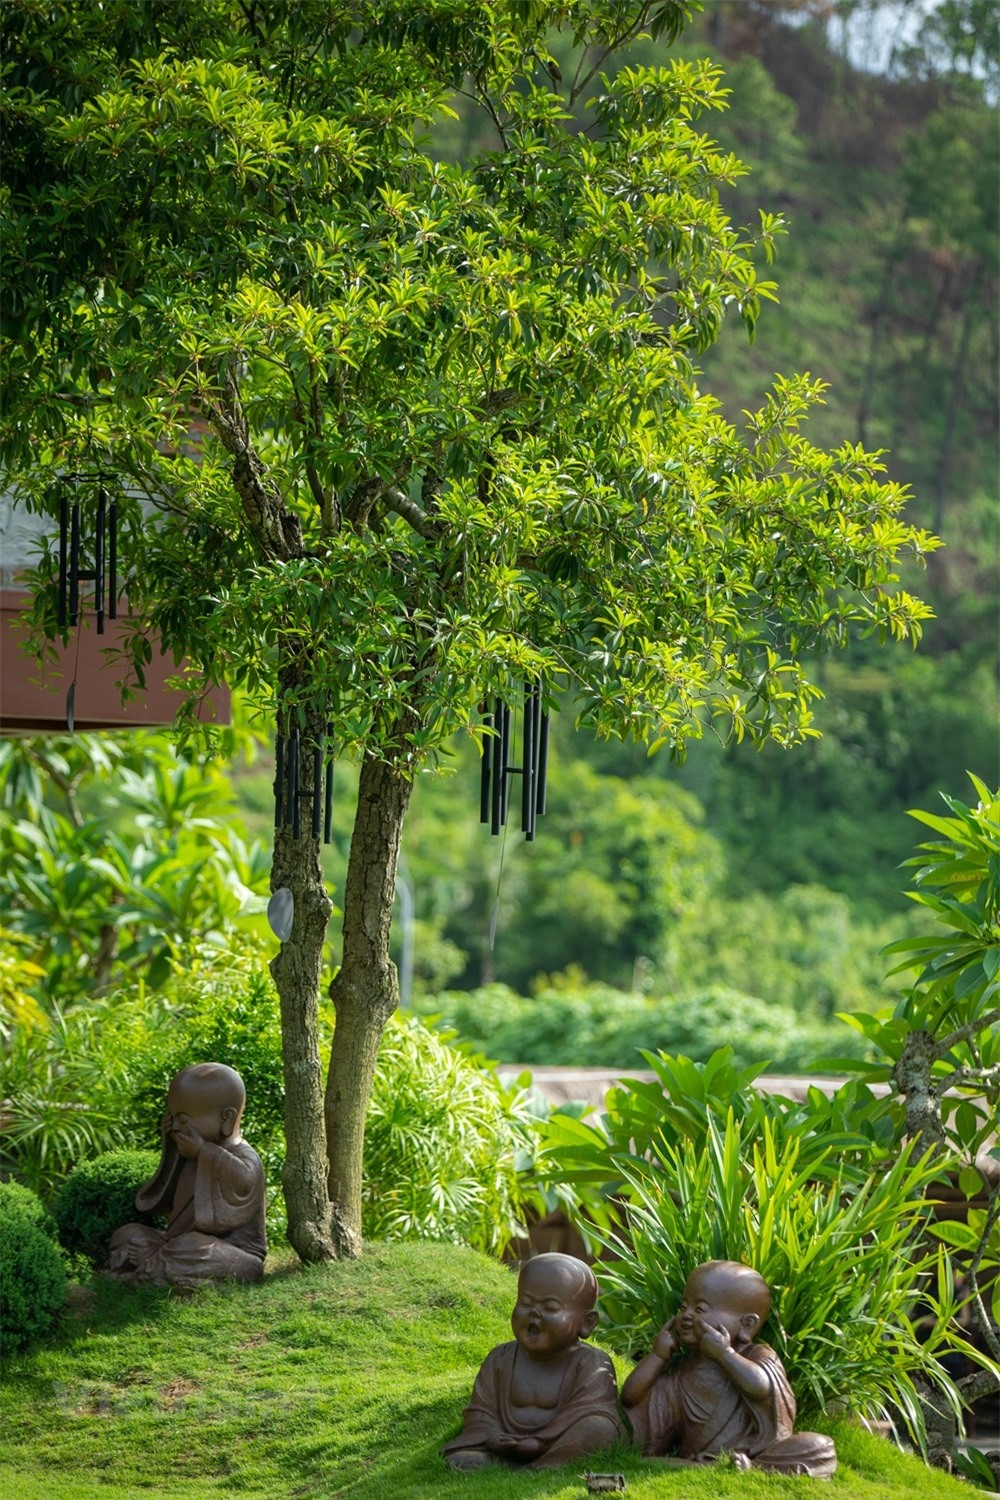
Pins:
<point x="545" y="1399"/>
<point x="209" y="1184"/>
<point x="726" y="1393"/>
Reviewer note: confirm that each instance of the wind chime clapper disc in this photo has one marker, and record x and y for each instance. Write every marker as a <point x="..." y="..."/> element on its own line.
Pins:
<point x="496" y="768"/>
<point x="71" y="574"/>
<point x="290" y="788"/>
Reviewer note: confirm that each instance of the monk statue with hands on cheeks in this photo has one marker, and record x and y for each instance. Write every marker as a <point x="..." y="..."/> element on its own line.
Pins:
<point x="545" y="1399"/>
<point x="209" y="1183"/>
<point x="726" y="1393"/>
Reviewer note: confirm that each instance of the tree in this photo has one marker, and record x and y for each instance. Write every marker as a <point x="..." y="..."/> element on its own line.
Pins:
<point x="449" y="432"/>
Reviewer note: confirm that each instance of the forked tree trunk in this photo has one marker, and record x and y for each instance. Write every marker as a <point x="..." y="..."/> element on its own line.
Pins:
<point x="366" y="990"/>
<point x="296" y="971"/>
<point x="277" y="534"/>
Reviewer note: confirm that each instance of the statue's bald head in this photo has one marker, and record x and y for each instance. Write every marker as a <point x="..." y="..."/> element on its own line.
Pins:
<point x="209" y="1091"/>
<point x="214" y="1082"/>
<point x="574" y="1278"/>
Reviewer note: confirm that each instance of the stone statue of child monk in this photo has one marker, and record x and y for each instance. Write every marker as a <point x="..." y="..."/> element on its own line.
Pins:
<point x="545" y="1399"/>
<point x="726" y="1394"/>
<point x="210" y="1184"/>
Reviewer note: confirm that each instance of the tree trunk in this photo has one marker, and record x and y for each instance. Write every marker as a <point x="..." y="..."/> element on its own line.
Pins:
<point x="366" y="991"/>
<point x="296" y="971"/>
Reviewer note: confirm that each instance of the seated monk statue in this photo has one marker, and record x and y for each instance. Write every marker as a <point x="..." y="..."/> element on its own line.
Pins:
<point x="725" y="1394"/>
<point x="545" y="1399"/>
<point x="210" y="1185"/>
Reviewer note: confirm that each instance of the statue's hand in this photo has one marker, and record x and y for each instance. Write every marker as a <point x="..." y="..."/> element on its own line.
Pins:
<point x="188" y="1141"/>
<point x="713" y="1342"/>
<point x="530" y="1447"/>
<point x="665" y="1343"/>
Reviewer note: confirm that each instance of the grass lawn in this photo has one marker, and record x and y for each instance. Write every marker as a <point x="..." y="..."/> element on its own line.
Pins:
<point x="321" y="1382"/>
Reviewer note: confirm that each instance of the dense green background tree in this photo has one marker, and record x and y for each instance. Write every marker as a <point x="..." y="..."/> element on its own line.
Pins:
<point x="450" y="430"/>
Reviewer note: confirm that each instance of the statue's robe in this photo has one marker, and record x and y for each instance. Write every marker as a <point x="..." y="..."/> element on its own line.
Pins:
<point x="695" y="1410"/>
<point x="215" y="1207"/>
<point x="586" y="1410"/>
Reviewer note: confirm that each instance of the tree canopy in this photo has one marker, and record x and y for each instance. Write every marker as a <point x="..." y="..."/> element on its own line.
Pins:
<point x="394" y="435"/>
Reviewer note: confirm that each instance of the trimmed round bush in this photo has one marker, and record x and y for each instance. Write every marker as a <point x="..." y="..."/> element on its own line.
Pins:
<point x="20" y="1202"/>
<point x="32" y="1282"/>
<point x="98" y="1197"/>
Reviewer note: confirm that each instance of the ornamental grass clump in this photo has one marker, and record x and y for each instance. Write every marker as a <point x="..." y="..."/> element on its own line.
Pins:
<point x="849" y="1265"/>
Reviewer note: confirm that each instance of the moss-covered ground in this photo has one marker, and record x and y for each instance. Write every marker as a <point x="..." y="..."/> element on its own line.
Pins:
<point x="338" y="1380"/>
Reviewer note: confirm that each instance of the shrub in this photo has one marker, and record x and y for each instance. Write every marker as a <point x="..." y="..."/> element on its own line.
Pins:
<point x="583" y="1156"/>
<point x="32" y="1281"/>
<point x="62" y="1085"/>
<point x="98" y="1197"/>
<point x="442" y="1145"/>
<point x="20" y="1202"/>
<point x="595" y="1025"/>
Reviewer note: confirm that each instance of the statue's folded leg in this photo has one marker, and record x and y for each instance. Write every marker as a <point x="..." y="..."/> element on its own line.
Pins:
<point x="588" y="1435"/>
<point x="195" y="1257"/>
<point x="803" y="1453"/>
<point x="132" y="1246"/>
<point x="467" y="1459"/>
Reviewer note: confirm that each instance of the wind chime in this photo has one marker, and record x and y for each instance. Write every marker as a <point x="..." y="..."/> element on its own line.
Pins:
<point x="104" y="573"/>
<point x="497" y="769"/>
<point x="290" y="788"/>
<point x="72" y="573"/>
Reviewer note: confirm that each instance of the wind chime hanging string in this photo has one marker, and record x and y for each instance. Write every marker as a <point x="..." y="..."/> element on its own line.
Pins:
<point x="290" y="788"/>
<point x="71" y="574"/>
<point x="497" y="769"/>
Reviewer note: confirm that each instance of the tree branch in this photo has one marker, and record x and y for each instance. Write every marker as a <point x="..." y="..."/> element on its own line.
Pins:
<point x="974" y="1387"/>
<point x="628" y="35"/>
<point x="421" y="522"/>
<point x="991" y="1018"/>
<point x="276" y="530"/>
<point x="986" y="1327"/>
<point x="985" y="1078"/>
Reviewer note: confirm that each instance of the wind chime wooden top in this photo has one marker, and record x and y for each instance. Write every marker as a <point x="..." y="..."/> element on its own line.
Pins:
<point x="497" y="767"/>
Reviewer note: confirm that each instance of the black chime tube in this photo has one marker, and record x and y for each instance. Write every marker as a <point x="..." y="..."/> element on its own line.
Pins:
<point x="63" y="545"/>
<point x="499" y="770"/>
<point x="485" y="772"/>
<point x="543" y="761"/>
<point x="279" y="777"/>
<point x="74" y="564"/>
<point x="504" y="762"/>
<point x="536" y="727"/>
<point x="102" y="509"/>
<point x="317" y="785"/>
<point x="293" y="787"/>
<point x="328" y="798"/>
<point x="113" y="561"/>
<point x="528" y="748"/>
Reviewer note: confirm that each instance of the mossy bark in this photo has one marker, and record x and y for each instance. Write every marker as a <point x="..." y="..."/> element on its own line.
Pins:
<point x="296" y="971"/>
<point x="365" y="991"/>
